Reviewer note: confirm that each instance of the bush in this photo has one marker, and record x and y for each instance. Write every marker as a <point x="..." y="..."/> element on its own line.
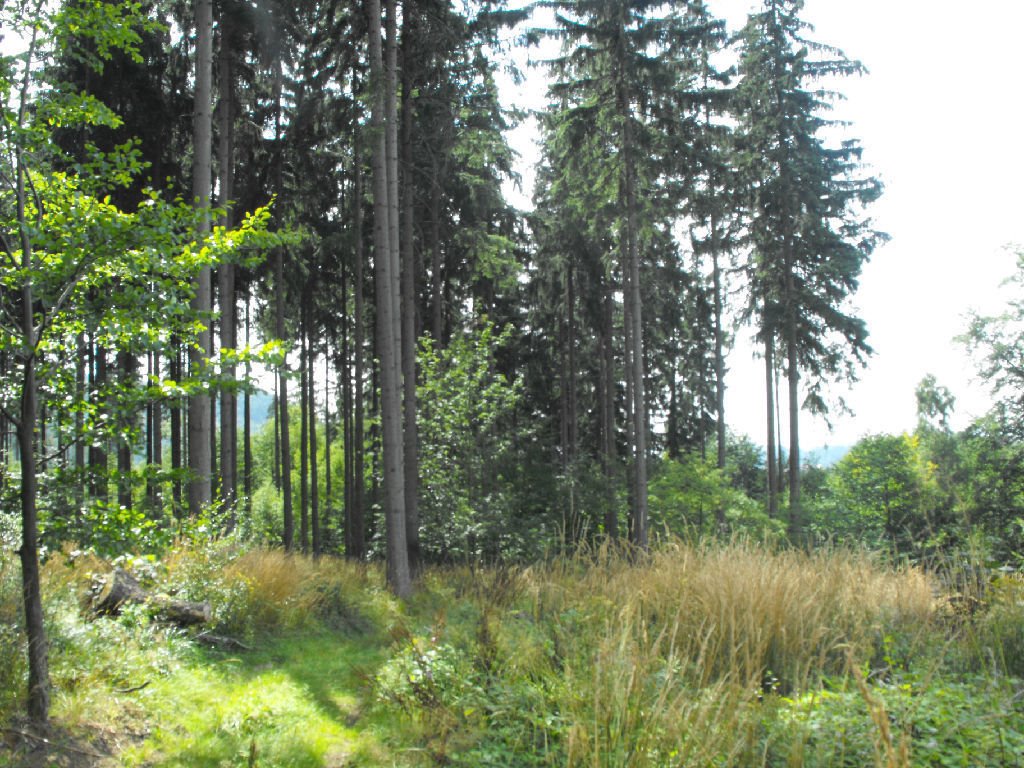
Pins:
<point x="12" y="644"/>
<point x="896" y="724"/>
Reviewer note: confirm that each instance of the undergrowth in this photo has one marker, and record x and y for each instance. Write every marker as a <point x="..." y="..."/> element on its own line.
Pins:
<point x="715" y="655"/>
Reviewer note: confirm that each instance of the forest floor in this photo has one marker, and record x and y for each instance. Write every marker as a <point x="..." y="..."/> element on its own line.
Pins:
<point x="722" y="654"/>
<point x="291" y="700"/>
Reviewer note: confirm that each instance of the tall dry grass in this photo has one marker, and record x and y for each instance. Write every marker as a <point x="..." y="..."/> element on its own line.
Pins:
<point x="262" y="589"/>
<point x="665" y="655"/>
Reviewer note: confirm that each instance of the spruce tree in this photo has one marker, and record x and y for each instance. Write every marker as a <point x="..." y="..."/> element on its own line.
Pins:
<point x="807" y="227"/>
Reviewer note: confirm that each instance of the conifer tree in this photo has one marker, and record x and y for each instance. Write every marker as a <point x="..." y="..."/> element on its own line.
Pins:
<point x="616" y="96"/>
<point x="807" y="227"/>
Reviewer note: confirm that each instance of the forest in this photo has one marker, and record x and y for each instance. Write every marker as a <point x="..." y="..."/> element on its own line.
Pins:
<point x="316" y="451"/>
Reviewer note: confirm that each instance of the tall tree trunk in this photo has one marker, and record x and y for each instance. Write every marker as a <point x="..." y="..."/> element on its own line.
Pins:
<point x="634" y="330"/>
<point x="314" y="481"/>
<point x="81" y="364"/>
<point x="408" y="288"/>
<point x="126" y="372"/>
<point x="276" y="469"/>
<point x="769" y="383"/>
<point x="304" y="428"/>
<point x="97" y="449"/>
<point x="609" y="451"/>
<point x="213" y="400"/>
<point x="247" y="423"/>
<point x="328" y="473"/>
<point x="288" y="534"/>
<point x="385" y="199"/>
<point x="793" y="379"/>
<point x="38" y="656"/>
<point x="284" y="441"/>
<point x="570" y="435"/>
<point x="226" y="278"/>
<point x="177" y="433"/>
<point x="716" y="276"/>
<point x="355" y="527"/>
<point x="6" y="426"/>
<point x="156" y="440"/>
<point x="780" y="454"/>
<point x="200" y="427"/>
<point x="346" y="399"/>
<point x="436" y="264"/>
<point x="346" y="404"/>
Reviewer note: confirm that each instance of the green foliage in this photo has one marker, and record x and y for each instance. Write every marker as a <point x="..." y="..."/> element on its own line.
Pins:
<point x="423" y="675"/>
<point x="12" y="641"/>
<point x="995" y="342"/>
<point x="103" y="274"/>
<point x="109" y="530"/>
<point x="994" y="642"/>
<point x="933" y="723"/>
<point x="988" y="480"/>
<point x="686" y="493"/>
<point x="883" y="491"/>
<point x="466" y="435"/>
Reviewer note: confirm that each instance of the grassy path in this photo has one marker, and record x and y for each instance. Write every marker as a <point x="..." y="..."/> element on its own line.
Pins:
<point x="293" y="701"/>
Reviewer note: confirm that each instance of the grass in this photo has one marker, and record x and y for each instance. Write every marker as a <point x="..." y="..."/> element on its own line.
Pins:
<point x="294" y="702"/>
<point x="717" y="655"/>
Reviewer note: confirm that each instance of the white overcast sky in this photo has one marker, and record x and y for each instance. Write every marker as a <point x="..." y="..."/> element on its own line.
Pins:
<point x="940" y="116"/>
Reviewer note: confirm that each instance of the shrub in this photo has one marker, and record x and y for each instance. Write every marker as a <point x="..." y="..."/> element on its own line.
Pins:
<point x="12" y="644"/>
<point x="935" y="722"/>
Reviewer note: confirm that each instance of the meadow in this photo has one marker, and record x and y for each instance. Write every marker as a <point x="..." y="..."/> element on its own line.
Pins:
<point x="713" y="654"/>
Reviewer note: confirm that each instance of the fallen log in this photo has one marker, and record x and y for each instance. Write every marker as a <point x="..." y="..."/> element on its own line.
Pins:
<point x="221" y="642"/>
<point x="120" y="588"/>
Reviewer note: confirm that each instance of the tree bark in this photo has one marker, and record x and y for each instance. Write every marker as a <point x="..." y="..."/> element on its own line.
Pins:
<point x="793" y="379"/>
<point x="769" y="379"/>
<point x="247" y="423"/>
<point x="634" y="332"/>
<point x="436" y="262"/>
<point x="355" y="527"/>
<point x="35" y="629"/>
<point x="154" y="440"/>
<point x="177" y="433"/>
<point x="81" y="394"/>
<point x="716" y="276"/>
<point x="314" y="481"/>
<point x="121" y="588"/>
<point x="609" y="449"/>
<point x="408" y="288"/>
<point x="303" y="428"/>
<point x="385" y="200"/>
<point x="126" y="371"/>
<point x="200" y="427"/>
<point x="328" y="472"/>
<point x="226" y="278"/>
<point x="97" y="451"/>
<point x="288" y="534"/>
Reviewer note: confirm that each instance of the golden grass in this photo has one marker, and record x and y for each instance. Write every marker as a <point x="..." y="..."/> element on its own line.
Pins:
<point x="665" y="654"/>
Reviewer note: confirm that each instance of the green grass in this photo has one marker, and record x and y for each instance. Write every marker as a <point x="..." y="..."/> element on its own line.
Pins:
<point x="296" y="701"/>
<point x="717" y="655"/>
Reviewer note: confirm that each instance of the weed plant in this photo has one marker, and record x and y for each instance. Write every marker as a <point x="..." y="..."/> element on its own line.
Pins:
<point x="613" y="658"/>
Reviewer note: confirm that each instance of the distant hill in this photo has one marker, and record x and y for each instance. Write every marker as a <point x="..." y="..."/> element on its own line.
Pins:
<point x="261" y="403"/>
<point x="826" y="455"/>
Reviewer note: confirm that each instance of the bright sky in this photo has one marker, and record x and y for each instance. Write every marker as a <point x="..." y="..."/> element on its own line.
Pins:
<point x="940" y="119"/>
